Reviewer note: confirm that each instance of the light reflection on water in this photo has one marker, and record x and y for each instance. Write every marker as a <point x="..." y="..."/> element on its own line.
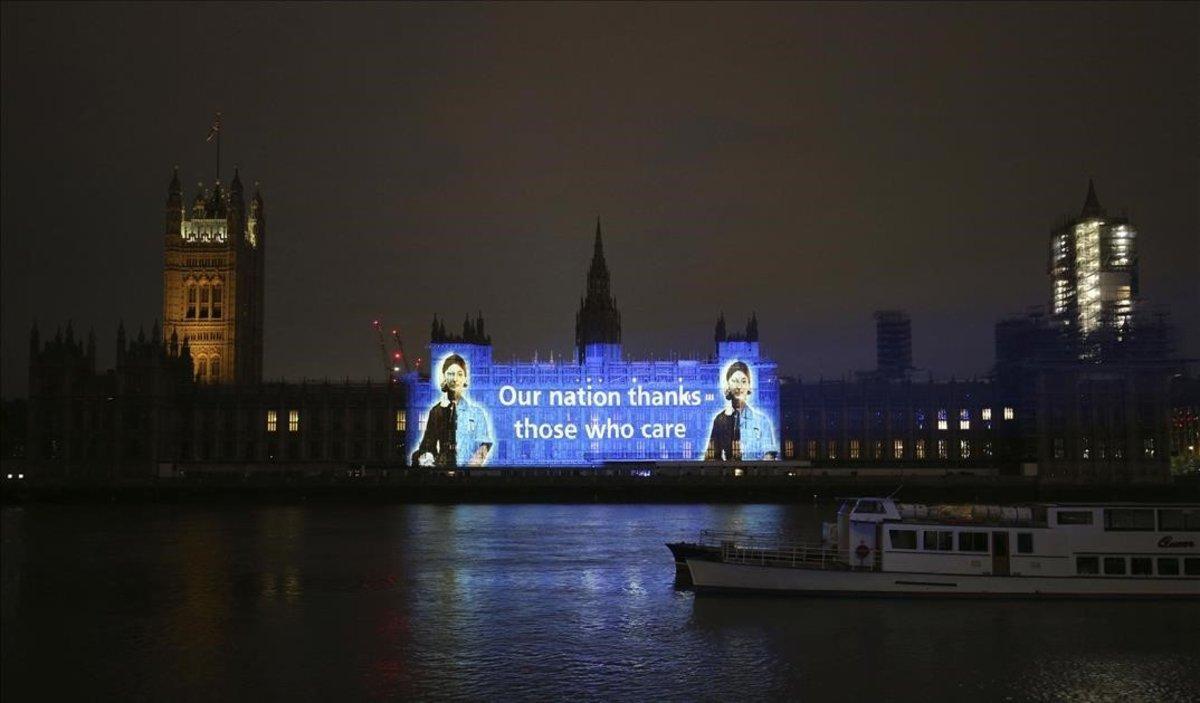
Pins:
<point x="515" y="601"/>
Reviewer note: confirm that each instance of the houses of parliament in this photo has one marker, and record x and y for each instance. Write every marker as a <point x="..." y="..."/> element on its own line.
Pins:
<point x="1081" y="389"/>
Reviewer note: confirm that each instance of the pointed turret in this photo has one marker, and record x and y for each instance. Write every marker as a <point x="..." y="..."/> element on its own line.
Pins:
<point x="483" y="338"/>
<point x="175" y="190"/>
<point x="598" y="320"/>
<point x="598" y="270"/>
<point x="199" y="203"/>
<point x="752" y="328"/>
<point x="121" y="347"/>
<point x="174" y="345"/>
<point x="1091" y="204"/>
<point x="720" y="334"/>
<point x="433" y="330"/>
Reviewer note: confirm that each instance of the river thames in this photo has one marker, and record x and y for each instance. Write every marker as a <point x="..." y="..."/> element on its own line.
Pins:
<point x="505" y="602"/>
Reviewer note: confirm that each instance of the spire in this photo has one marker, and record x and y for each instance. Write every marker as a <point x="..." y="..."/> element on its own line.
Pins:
<point x="598" y="321"/>
<point x="752" y="328"/>
<point x="433" y="330"/>
<point x="720" y="334"/>
<point x="1091" y="204"/>
<point x="236" y="184"/>
<point x="175" y="188"/>
<point x="598" y="263"/>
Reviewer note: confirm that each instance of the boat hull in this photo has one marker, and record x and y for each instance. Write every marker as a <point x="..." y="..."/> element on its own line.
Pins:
<point x="717" y="576"/>
<point x="682" y="551"/>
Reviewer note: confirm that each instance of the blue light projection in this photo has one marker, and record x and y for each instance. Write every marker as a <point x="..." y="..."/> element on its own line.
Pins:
<point x="473" y="412"/>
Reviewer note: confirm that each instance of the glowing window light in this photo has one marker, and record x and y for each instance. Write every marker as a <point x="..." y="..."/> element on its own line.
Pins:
<point x="272" y="421"/>
<point x="293" y="421"/>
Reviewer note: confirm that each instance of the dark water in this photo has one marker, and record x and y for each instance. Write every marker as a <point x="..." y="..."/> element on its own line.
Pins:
<point x="546" y="602"/>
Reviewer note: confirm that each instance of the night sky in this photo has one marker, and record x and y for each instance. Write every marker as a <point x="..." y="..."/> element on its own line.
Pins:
<point x="810" y="163"/>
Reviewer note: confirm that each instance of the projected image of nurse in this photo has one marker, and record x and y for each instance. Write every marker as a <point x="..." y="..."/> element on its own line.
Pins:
<point x="458" y="431"/>
<point x="740" y="432"/>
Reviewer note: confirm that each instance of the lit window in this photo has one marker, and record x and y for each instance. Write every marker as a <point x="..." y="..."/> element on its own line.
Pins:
<point x="789" y="448"/>
<point x="272" y="421"/>
<point x="898" y="448"/>
<point x="1148" y="448"/>
<point x="943" y="425"/>
<point x="919" y="449"/>
<point x="985" y="414"/>
<point x="293" y="421"/>
<point x="854" y="449"/>
<point x="964" y="448"/>
<point x="832" y="452"/>
<point x="812" y="449"/>
<point x="964" y="419"/>
<point x="942" y="453"/>
<point x="401" y="420"/>
<point x="1009" y="414"/>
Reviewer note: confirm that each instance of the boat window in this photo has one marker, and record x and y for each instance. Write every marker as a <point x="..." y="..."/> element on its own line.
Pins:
<point x="1179" y="519"/>
<point x="1191" y="566"/>
<point x="868" y="506"/>
<point x="972" y="541"/>
<point x="1168" y="566"/>
<point x="1074" y="517"/>
<point x="939" y="540"/>
<point x="904" y="539"/>
<point x="1024" y="543"/>
<point x="1129" y="519"/>
<point x="1141" y="566"/>
<point x="1114" y="566"/>
<point x="1087" y="565"/>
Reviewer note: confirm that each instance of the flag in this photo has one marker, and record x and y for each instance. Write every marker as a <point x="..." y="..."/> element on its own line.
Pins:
<point x="215" y="129"/>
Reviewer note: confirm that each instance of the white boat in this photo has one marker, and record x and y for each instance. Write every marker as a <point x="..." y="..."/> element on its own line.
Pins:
<point x="881" y="548"/>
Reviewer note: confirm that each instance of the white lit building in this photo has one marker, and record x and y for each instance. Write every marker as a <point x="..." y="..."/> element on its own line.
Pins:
<point x="1094" y="274"/>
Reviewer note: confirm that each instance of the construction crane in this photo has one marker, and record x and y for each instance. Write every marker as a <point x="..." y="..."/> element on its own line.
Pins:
<point x="387" y="366"/>
<point x="400" y="357"/>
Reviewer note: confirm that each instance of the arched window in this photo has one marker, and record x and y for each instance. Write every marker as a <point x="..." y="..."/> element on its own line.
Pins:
<point x="204" y="300"/>
<point x="201" y="368"/>
<point x="216" y="300"/>
<point x="191" y="300"/>
<point x="214" y="367"/>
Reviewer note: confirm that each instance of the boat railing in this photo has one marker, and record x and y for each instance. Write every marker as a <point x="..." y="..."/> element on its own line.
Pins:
<point x="766" y="550"/>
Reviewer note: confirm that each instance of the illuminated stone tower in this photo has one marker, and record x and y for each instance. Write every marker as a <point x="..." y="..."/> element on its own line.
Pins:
<point x="1093" y="270"/>
<point x="213" y="280"/>
<point x="598" y="322"/>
